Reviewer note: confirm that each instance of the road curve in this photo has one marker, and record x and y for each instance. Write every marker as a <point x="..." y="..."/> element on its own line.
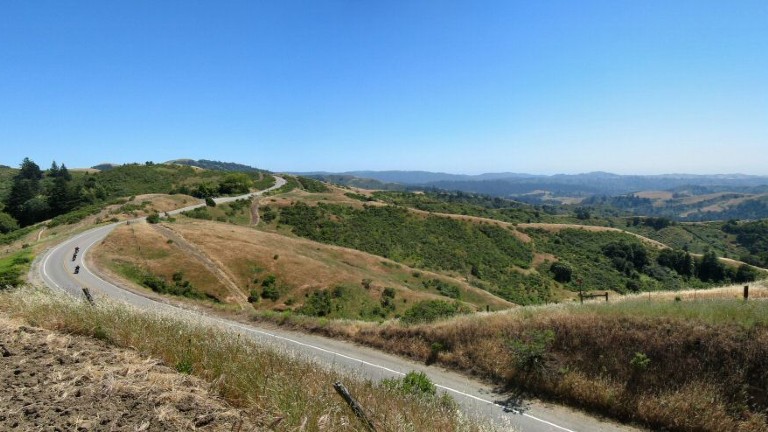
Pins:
<point x="56" y="268"/>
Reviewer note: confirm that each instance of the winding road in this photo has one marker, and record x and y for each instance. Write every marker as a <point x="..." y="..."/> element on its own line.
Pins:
<point x="56" y="268"/>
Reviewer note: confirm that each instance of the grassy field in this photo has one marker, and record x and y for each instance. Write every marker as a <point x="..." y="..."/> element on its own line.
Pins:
<point x="282" y="393"/>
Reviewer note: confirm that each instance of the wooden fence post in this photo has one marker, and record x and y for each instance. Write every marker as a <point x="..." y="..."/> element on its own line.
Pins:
<point x="88" y="296"/>
<point x="341" y="390"/>
<point x="746" y="292"/>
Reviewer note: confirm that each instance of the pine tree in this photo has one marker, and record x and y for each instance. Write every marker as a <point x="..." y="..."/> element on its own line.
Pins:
<point x="61" y="197"/>
<point x="25" y="187"/>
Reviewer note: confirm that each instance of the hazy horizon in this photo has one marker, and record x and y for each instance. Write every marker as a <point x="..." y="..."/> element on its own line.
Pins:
<point x="44" y="165"/>
<point x="633" y="88"/>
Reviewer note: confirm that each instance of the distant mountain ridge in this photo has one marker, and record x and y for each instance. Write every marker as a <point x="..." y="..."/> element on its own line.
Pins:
<point x="513" y="184"/>
<point x="200" y="163"/>
<point x="215" y="165"/>
<point x="690" y="197"/>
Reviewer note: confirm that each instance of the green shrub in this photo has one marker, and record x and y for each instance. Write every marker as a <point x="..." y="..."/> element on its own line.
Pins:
<point x="153" y="218"/>
<point x="530" y="350"/>
<point x="14" y="268"/>
<point x="199" y="213"/>
<point x="388" y="299"/>
<point x="312" y="185"/>
<point x="640" y="361"/>
<point x="430" y="310"/>
<point x="443" y="288"/>
<point x="269" y="288"/>
<point x="318" y="304"/>
<point x="413" y="383"/>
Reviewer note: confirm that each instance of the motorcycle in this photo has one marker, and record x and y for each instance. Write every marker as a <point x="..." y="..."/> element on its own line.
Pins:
<point x="77" y="269"/>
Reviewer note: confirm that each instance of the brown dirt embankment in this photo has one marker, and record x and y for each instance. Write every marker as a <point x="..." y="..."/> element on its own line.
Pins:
<point x="53" y="381"/>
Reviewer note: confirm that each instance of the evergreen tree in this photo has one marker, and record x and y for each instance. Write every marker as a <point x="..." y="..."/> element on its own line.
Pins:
<point x="61" y="197"/>
<point x="710" y="269"/>
<point x="25" y="187"/>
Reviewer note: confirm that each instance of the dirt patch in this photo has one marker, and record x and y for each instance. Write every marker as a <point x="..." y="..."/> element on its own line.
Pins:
<point x="54" y="382"/>
<point x="255" y="218"/>
<point x="540" y="258"/>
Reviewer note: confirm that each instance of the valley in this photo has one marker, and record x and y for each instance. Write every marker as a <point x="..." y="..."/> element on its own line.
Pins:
<point x="480" y="285"/>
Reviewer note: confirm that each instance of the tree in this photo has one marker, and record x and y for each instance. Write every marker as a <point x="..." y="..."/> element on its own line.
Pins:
<point x="562" y="272"/>
<point x="626" y="257"/>
<point x="25" y="186"/>
<point x="582" y="213"/>
<point x="205" y="190"/>
<point x="710" y="269"/>
<point x="7" y="223"/>
<point x="29" y="170"/>
<point x="677" y="260"/>
<point x="746" y="273"/>
<point x="61" y="198"/>
<point x="235" y="183"/>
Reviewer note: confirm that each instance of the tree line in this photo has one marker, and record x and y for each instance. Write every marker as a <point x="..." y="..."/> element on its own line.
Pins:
<point x="36" y="195"/>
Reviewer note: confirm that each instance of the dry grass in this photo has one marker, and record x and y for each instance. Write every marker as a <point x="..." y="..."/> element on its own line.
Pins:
<point x="757" y="290"/>
<point x="282" y="392"/>
<point x="335" y="195"/>
<point x="141" y="247"/>
<point x="246" y="255"/>
<point x="708" y="368"/>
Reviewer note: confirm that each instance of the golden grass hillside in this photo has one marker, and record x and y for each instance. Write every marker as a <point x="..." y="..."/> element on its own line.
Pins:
<point x="227" y="262"/>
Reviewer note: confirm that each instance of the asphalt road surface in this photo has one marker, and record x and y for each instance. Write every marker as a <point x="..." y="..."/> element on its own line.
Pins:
<point x="56" y="268"/>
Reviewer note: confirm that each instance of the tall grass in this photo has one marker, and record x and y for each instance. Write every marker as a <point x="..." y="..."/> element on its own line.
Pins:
<point x="278" y="390"/>
<point x="684" y="365"/>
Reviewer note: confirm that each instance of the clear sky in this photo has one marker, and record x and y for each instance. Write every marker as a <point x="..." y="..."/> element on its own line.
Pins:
<point x="543" y="87"/>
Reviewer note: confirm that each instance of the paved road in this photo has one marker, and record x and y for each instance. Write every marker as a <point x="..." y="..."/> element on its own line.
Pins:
<point x="57" y="270"/>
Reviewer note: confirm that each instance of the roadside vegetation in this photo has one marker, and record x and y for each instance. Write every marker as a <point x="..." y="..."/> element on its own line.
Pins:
<point x="681" y="361"/>
<point x="280" y="392"/>
<point x="14" y="268"/>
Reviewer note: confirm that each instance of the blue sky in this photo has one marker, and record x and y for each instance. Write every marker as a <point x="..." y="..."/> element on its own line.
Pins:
<point x="632" y="87"/>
